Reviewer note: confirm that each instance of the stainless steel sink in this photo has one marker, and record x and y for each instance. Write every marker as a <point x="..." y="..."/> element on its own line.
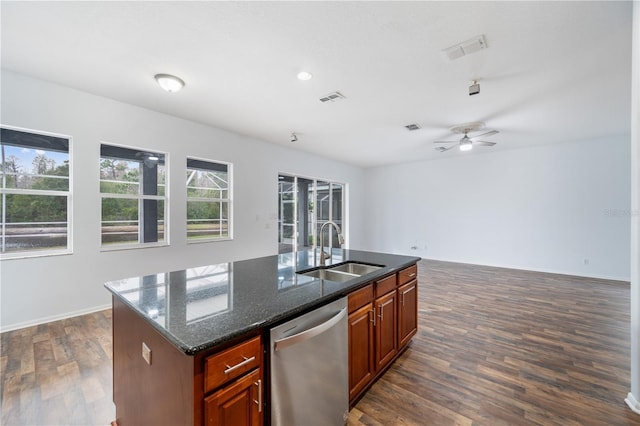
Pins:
<point x="342" y="272"/>
<point x="355" y="268"/>
<point x="327" y="274"/>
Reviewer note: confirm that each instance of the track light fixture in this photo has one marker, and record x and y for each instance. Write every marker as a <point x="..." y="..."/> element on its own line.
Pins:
<point x="474" y="89"/>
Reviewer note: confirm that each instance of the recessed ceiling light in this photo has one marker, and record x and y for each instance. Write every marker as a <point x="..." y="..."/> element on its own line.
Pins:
<point x="304" y="75"/>
<point x="170" y="83"/>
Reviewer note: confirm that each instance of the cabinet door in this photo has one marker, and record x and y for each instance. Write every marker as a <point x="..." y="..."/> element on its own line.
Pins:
<point x="361" y="348"/>
<point x="238" y="404"/>
<point x="407" y="312"/>
<point x="386" y="329"/>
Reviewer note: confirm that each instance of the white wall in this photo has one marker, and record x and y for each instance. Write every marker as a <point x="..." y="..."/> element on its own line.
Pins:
<point x="39" y="289"/>
<point x="546" y="208"/>
<point x="633" y="398"/>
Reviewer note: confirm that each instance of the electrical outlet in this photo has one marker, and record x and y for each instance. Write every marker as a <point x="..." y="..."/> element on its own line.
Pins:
<point x="146" y="353"/>
<point x="586" y="261"/>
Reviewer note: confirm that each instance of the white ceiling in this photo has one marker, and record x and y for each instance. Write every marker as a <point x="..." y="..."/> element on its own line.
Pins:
<point x="553" y="72"/>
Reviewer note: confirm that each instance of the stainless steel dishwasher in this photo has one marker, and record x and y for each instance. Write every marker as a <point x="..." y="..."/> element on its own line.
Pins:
<point x="309" y="368"/>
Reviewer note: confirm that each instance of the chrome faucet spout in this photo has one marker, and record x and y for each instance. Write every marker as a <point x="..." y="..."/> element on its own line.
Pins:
<point x="323" y="254"/>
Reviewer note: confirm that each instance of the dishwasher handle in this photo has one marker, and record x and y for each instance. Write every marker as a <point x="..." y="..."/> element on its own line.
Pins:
<point x="309" y="333"/>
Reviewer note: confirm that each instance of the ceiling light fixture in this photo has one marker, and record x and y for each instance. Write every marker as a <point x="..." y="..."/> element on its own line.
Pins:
<point x="466" y="145"/>
<point x="474" y="89"/>
<point x="304" y="75"/>
<point x="170" y="83"/>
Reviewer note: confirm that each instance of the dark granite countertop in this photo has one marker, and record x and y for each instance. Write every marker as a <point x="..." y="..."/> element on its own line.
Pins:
<point x="200" y="307"/>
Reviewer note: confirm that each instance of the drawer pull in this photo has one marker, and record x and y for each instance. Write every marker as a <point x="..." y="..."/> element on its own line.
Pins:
<point x="240" y="364"/>
<point x="411" y="275"/>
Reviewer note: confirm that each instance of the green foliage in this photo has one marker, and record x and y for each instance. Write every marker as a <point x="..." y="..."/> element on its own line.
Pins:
<point x="119" y="209"/>
<point x="38" y="208"/>
<point x="202" y="210"/>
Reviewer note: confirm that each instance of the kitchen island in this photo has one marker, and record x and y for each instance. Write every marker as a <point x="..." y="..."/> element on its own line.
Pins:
<point x="173" y="330"/>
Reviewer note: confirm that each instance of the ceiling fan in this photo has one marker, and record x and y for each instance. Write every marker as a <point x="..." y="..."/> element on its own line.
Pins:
<point x="466" y="143"/>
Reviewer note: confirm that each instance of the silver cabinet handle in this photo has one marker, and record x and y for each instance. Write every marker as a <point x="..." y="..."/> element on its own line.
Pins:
<point x="373" y="311"/>
<point x="411" y="275"/>
<point x="309" y="333"/>
<point x="243" y="363"/>
<point x="381" y="311"/>
<point x="259" y="400"/>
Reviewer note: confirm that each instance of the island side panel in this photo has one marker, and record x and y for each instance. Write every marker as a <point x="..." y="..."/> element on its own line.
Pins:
<point x="160" y="393"/>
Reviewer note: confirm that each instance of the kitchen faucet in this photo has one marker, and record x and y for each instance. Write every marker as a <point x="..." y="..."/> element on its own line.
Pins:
<point x="323" y="254"/>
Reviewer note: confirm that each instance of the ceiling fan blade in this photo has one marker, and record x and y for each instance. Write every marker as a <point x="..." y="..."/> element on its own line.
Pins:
<point x="445" y="141"/>
<point x="443" y="149"/>
<point x="490" y="133"/>
<point x="484" y="143"/>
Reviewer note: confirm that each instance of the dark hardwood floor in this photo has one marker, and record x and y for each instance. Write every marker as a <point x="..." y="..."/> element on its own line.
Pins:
<point x="494" y="347"/>
<point x="58" y="373"/>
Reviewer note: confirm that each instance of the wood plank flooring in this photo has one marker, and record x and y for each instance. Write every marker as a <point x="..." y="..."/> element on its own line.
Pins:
<point x="507" y="347"/>
<point x="58" y="373"/>
<point x="494" y="347"/>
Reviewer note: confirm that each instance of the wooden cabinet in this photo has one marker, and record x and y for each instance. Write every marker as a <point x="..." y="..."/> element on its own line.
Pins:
<point x="386" y="329"/>
<point x="361" y="349"/>
<point x="239" y="403"/>
<point x="407" y="304"/>
<point x="169" y="387"/>
<point x="383" y="317"/>
<point x="407" y="312"/>
<point x="236" y="379"/>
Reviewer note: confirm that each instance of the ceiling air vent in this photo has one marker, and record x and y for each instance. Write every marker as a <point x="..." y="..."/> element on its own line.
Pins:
<point x="468" y="47"/>
<point x="412" y="127"/>
<point x="332" y="97"/>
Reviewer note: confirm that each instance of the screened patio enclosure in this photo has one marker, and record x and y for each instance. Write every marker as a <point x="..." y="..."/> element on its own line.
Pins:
<point x="304" y="205"/>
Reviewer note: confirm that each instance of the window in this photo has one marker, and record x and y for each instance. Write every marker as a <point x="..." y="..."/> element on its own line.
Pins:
<point x="134" y="196"/>
<point x="304" y="205"/>
<point x="35" y="194"/>
<point x="208" y="200"/>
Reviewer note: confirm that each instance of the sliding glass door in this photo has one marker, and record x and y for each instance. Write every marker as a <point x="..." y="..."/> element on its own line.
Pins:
<point x="304" y="205"/>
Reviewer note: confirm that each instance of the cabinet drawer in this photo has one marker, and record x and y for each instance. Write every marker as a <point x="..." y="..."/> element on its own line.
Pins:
<point x="407" y="274"/>
<point x="360" y="297"/>
<point x="232" y="363"/>
<point x="385" y="285"/>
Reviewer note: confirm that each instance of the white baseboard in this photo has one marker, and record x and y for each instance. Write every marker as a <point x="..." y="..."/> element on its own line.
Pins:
<point x="633" y="403"/>
<point x="546" y="271"/>
<point x="43" y="320"/>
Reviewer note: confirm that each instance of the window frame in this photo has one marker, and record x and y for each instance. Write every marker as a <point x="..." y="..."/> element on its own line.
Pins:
<point x="140" y="199"/>
<point x="39" y="192"/>
<point x="228" y="200"/>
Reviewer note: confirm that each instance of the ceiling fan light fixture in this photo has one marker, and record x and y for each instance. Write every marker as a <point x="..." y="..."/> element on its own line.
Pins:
<point x="466" y="146"/>
<point x="169" y="82"/>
